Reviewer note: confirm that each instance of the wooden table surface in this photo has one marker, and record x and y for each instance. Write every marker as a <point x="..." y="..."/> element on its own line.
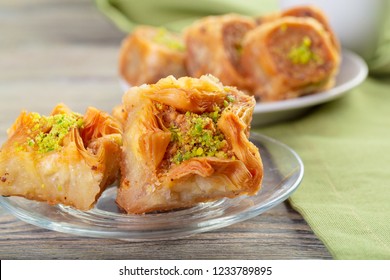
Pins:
<point x="55" y="51"/>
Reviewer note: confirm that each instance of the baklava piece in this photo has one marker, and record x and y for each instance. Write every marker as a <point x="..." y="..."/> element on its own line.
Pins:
<point x="186" y="141"/>
<point x="289" y="57"/>
<point x="214" y="46"/>
<point x="64" y="158"/>
<point x="304" y="12"/>
<point x="149" y="54"/>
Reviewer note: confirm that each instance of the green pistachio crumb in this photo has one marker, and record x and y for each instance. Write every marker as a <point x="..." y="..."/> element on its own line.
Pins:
<point x="47" y="133"/>
<point x="199" y="151"/>
<point x="202" y="138"/>
<point x="163" y="37"/>
<point x="230" y="98"/>
<point x="303" y="53"/>
<point x="31" y="142"/>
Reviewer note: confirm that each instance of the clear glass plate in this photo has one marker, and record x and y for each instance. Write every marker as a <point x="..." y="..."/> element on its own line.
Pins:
<point x="283" y="172"/>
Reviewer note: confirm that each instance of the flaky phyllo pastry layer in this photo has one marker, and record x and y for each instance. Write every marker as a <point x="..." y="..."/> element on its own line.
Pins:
<point x="149" y="54"/>
<point x="63" y="158"/>
<point x="186" y="141"/>
<point x="289" y="57"/>
<point x="213" y="46"/>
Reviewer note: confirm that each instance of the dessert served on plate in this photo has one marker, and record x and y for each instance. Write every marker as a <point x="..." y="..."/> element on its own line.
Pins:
<point x="274" y="57"/>
<point x="289" y="57"/>
<point x="185" y="141"/>
<point x="63" y="158"/>
<point x="172" y="145"/>
<point x="303" y="12"/>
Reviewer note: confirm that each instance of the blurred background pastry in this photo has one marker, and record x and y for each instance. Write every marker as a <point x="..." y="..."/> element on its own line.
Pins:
<point x="214" y="46"/>
<point x="150" y="53"/>
<point x="303" y="11"/>
<point x="289" y="57"/>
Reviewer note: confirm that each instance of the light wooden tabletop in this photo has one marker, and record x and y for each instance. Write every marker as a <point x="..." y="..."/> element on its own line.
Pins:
<point x="55" y="51"/>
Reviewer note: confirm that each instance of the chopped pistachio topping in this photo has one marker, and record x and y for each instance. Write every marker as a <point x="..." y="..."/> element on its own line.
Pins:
<point x="201" y="139"/>
<point x="163" y="37"/>
<point x="195" y="135"/>
<point x="50" y="131"/>
<point x="303" y="54"/>
<point x="230" y="98"/>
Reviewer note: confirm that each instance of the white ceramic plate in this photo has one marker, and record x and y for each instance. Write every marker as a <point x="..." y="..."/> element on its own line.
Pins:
<point x="353" y="71"/>
<point x="283" y="172"/>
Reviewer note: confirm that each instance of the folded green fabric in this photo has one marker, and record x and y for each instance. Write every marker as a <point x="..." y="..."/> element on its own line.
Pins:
<point x="345" y="193"/>
<point x="380" y="63"/>
<point x="345" y="144"/>
<point x="175" y="14"/>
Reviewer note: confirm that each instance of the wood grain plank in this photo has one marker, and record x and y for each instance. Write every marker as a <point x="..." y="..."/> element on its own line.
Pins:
<point x="277" y="234"/>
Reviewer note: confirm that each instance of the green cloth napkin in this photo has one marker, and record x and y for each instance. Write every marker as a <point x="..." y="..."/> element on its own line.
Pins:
<point x="344" y="144"/>
<point x="345" y="193"/>
<point x="175" y="14"/>
<point x="380" y="63"/>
